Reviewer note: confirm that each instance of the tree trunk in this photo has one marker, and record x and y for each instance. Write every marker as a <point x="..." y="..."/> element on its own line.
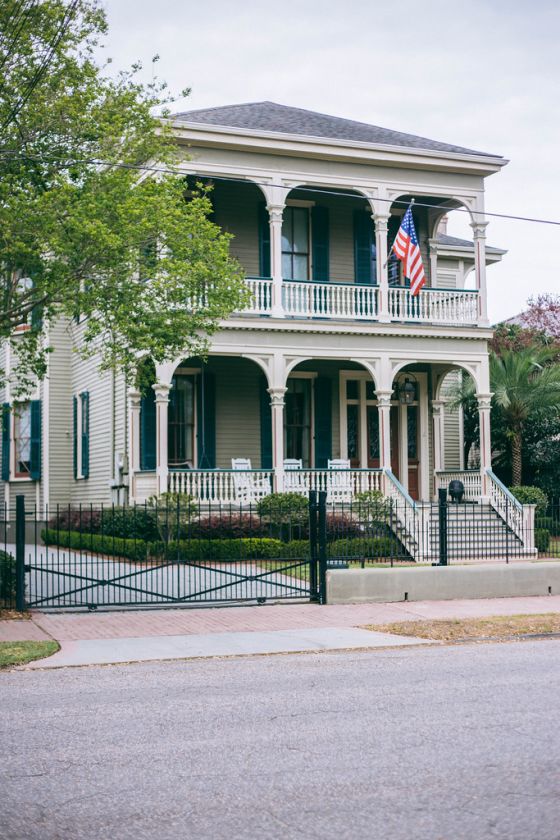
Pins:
<point x="516" y="458"/>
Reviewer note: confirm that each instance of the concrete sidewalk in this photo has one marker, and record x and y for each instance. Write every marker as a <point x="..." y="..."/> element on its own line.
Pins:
<point x="141" y="635"/>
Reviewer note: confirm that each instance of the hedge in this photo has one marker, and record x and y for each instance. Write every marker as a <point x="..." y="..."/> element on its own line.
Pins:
<point x="550" y="523"/>
<point x="7" y="580"/>
<point x="98" y="543"/>
<point x="542" y="539"/>
<point x="255" y="548"/>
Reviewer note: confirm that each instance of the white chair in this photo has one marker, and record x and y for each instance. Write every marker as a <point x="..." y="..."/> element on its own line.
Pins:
<point x="249" y="488"/>
<point x="339" y="481"/>
<point x="293" y="478"/>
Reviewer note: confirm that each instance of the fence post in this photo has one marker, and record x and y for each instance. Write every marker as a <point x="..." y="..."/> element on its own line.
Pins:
<point x="313" y="593"/>
<point x="442" y="511"/>
<point x="20" y="553"/>
<point x="322" y="539"/>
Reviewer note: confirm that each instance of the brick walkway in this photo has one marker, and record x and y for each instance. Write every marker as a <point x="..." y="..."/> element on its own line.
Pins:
<point x="174" y="622"/>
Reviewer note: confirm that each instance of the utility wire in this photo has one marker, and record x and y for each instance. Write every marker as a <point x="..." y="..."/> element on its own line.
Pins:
<point x="61" y="32"/>
<point x="19" y="21"/>
<point x="233" y="179"/>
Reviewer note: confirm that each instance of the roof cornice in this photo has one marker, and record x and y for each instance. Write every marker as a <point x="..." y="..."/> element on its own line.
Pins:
<point x="351" y="150"/>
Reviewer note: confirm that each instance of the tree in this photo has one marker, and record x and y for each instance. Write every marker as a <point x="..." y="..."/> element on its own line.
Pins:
<point x="544" y="314"/>
<point x="95" y="221"/>
<point x="524" y="383"/>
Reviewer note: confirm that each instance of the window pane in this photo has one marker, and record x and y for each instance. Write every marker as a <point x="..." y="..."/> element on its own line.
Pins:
<point x="287" y="222"/>
<point x="181" y="422"/>
<point x="373" y="432"/>
<point x="352" y="424"/>
<point x="352" y="389"/>
<point x="370" y="391"/>
<point x="298" y="420"/>
<point x="22" y="438"/>
<point x="300" y="264"/>
<point x="301" y="230"/>
<point x="412" y="428"/>
<point x="287" y="267"/>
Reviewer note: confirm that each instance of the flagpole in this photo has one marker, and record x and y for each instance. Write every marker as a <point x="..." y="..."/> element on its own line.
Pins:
<point x="385" y="264"/>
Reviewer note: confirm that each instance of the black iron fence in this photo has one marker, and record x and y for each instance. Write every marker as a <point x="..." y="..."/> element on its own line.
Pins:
<point x="179" y="552"/>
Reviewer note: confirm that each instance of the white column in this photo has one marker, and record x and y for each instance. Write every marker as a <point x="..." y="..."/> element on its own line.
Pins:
<point x="438" y="414"/>
<point x="384" y="408"/>
<point x="162" y="406"/>
<point x="134" y="403"/>
<point x="277" y="412"/>
<point x="432" y="251"/>
<point x="479" y="239"/>
<point x="381" y="220"/>
<point x="484" y="403"/>
<point x="275" y="212"/>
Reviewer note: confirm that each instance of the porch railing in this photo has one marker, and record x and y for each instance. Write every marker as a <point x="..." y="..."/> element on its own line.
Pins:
<point x="470" y="479"/>
<point x="212" y="486"/>
<point x="329" y="300"/>
<point x="261" y="295"/>
<point x="445" y="306"/>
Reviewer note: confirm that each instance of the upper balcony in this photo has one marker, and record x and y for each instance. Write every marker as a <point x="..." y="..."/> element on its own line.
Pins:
<point x="322" y="254"/>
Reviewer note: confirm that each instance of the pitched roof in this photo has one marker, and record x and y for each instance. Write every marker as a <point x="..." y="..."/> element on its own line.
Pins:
<point x="282" y="119"/>
<point x="455" y="242"/>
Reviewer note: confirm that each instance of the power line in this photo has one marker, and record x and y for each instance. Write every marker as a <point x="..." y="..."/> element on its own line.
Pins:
<point x="18" y="20"/>
<point x="318" y="190"/>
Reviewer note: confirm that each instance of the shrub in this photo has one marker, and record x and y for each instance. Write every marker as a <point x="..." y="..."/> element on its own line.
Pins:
<point x="366" y="548"/>
<point x="542" y="539"/>
<point x="284" y="508"/>
<point x="528" y="495"/>
<point x="550" y="523"/>
<point x="372" y="506"/>
<point x="77" y="519"/>
<point x="258" y="548"/>
<point x="228" y="526"/>
<point x="173" y="513"/>
<point x="7" y="580"/>
<point x="125" y="522"/>
<point x="343" y="525"/>
<point x="98" y="543"/>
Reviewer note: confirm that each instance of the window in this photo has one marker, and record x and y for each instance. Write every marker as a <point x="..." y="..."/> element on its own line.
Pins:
<point x="81" y="435"/>
<point x="22" y="440"/>
<point x="295" y="243"/>
<point x="181" y="430"/>
<point x="298" y="420"/>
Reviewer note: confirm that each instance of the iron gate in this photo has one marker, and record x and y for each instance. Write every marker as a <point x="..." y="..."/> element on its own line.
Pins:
<point x="79" y="558"/>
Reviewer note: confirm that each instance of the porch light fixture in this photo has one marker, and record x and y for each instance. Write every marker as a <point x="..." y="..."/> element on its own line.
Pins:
<point x="407" y="390"/>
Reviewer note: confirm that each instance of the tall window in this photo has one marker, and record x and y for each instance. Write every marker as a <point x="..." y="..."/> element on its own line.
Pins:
<point x="181" y="422"/>
<point x="22" y="440"/>
<point x="295" y="243"/>
<point x="298" y="420"/>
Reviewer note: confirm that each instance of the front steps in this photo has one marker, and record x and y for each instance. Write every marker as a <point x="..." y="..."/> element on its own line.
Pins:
<point x="476" y="533"/>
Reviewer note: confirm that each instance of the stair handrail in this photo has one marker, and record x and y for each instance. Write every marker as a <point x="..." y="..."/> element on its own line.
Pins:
<point x="414" y="537"/>
<point x="506" y="505"/>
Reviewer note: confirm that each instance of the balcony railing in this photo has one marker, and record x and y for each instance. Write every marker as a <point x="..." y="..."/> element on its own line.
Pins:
<point x="349" y="301"/>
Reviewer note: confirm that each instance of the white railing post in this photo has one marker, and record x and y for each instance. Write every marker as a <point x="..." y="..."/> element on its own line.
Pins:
<point x="479" y="240"/>
<point x="484" y="405"/>
<point x="162" y="406"/>
<point x="381" y="220"/>
<point x="275" y="212"/>
<point x="277" y="412"/>
<point x="529" y="526"/>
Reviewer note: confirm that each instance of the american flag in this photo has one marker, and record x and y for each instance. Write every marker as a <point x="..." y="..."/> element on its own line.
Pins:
<point x="405" y="248"/>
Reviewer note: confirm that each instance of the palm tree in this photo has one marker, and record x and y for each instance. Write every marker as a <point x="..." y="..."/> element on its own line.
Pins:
<point x="523" y="382"/>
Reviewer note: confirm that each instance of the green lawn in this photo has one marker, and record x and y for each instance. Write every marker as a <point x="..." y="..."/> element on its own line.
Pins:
<point x="18" y="653"/>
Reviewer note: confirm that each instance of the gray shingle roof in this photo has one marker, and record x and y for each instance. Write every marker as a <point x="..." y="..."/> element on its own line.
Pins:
<point x="281" y="119"/>
<point x="454" y="241"/>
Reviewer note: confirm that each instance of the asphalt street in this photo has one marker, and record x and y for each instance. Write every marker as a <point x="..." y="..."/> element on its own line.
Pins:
<point x="443" y="743"/>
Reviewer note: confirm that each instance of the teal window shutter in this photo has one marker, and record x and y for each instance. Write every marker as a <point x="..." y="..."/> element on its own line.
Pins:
<point x="264" y="241"/>
<point x="75" y="436"/>
<point x="206" y="421"/>
<point x="323" y="421"/>
<point x="6" y="442"/>
<point x="35" y="443"/>
<point x="148" y="430"/>
<point x="266" y="425"/>
<point x="320" y="243"/>
<point x="85" y="434"/>
<point x="363" y="247"/>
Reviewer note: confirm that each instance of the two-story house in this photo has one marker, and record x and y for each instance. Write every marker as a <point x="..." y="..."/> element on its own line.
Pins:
<point x="334" y="364"/>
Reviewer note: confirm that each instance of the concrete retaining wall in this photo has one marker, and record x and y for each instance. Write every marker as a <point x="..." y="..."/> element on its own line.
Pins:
<point x="427" y="583"/>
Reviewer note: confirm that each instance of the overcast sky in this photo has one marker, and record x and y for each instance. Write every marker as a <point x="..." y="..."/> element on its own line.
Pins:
<point x="484" y="74"/>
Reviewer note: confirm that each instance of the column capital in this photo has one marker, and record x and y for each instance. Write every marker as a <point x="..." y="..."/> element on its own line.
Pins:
<point x="438" y="406"/>
<point x="277" y="396"/>
<point x="134" y="397"/>
<point x="479" y="229"/>
<point x="381" y="220"/>
<point x="275" y="212"/>
<point x="484" y="401"/>
<point x="384" y="398"/>
<point x="161" y="391"/>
